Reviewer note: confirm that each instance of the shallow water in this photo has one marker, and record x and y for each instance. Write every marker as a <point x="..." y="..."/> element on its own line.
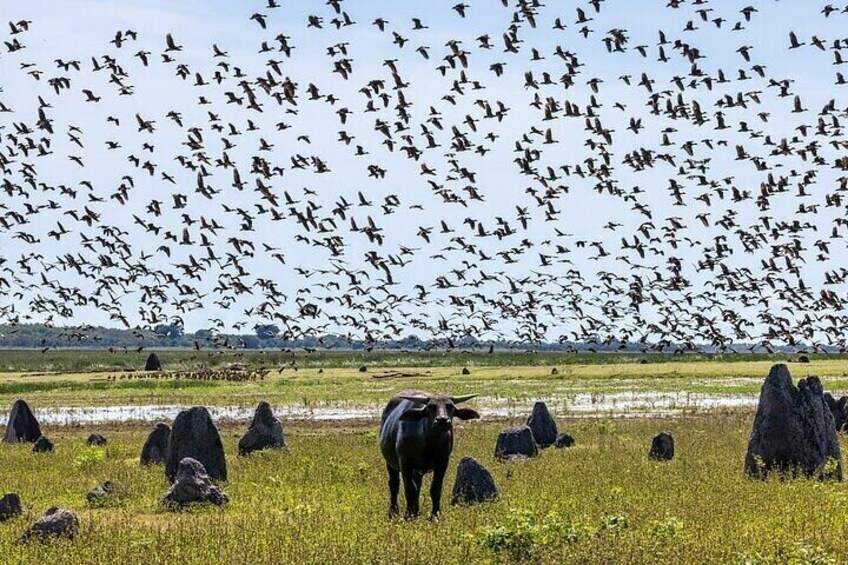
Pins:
<point x="618" y="404"/>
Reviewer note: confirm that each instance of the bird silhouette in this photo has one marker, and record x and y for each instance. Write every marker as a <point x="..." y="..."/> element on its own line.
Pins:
<point x="545" y="176"/>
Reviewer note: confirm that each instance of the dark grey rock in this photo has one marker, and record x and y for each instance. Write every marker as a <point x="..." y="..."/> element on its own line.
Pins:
<point x="265" y="431"/>
<point x="662" y="447"/>
<point x="516" y="443"/>
<point x="363" y="369"/>
<point x="192" y="485"/>
<point x="563" y="440"/>
<point x="837" y="408"/>
<point x="155" y="448"/>
<point x="542" y="425"/>
<point x="803" y="359"/>
<point x="96" y="439"/>
<point x="42" y="445"/>
<point x="554" y="371"/>
<point x="194" y="435"/>
<point x="10" y="506"/>
<point x="152" y="363"/>
<point x="55" y="523"/>
<point x="465" y="371"/>
<point x="794" y="432"/>
<point x="102" y="494"/>
<point x="474" y="483"/>
<point x="22" y="425"/>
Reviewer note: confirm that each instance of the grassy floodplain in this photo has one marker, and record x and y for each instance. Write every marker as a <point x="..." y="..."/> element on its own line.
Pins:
<point x="324" y="500"/>
<point x="100" y="360"/>
<point x="334" y="379"/>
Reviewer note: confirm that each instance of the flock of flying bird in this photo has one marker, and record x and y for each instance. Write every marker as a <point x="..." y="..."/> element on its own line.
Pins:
<point x="348" y="173"/>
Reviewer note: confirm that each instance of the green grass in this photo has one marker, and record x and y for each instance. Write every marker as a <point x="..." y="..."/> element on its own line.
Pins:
<point x="99" y="360"/>
<point x="348" y="387"/>
<point x="324" y="501"/>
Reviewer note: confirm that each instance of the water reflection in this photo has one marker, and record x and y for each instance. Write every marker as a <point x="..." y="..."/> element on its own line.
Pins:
<point x="618" y="404"/>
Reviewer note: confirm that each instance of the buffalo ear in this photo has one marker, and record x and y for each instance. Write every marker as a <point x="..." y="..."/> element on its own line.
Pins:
<point x="414" y="414"/>
<point x="466" y="414"/>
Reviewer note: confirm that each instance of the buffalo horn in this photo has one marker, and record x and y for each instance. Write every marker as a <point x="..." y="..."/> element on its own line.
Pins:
<point x="418" y="399"/>
<point x="461" y="399"/>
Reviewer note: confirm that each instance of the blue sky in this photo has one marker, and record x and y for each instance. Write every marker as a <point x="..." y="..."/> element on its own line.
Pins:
<point x="80" y="29"/>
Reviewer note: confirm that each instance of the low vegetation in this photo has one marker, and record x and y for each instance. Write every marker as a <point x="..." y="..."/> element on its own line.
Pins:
<point x="601" y="501"/>
<point x="102" y="360"/>
<point x="325" y="499"/>
<point x="342" y="386"/>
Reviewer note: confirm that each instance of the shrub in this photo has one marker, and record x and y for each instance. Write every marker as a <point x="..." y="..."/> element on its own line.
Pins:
<point x="89" y="457"/>
<point x="522" y="534"/>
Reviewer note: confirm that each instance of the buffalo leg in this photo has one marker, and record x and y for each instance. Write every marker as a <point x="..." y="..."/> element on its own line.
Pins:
<point x="394" y="488"/>
<point x="436" y="488"/>
<point x="410" y="489"/>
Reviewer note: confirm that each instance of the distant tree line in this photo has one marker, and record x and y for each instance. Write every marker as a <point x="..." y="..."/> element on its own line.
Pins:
<point x="267" y="336"/>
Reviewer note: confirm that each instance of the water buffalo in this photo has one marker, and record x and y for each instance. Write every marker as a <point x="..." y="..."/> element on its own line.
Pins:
<point x="416" y="437"/>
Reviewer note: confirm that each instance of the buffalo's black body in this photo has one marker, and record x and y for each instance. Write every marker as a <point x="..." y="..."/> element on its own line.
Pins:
<point x="416" y="437"/>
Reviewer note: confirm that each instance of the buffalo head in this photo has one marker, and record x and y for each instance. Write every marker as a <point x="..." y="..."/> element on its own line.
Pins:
<point x="438" y="410"/>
